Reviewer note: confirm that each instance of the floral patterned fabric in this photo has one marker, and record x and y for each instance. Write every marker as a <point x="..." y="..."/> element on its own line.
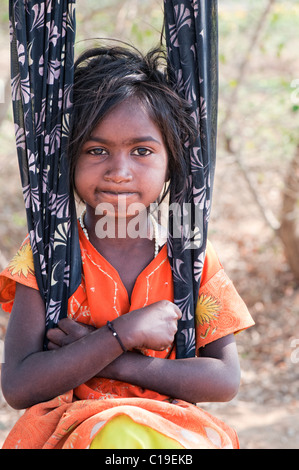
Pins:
<point x="192" y="43"/>
<point x="74" y="418"/>
<point x="42" y="43"/>
<point x="219" y="308"/>
<point x="67" y="423"/>
<point x="42" y="37"/>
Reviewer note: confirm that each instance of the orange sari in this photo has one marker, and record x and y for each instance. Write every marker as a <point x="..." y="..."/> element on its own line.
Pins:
<point x="72" y="420"/>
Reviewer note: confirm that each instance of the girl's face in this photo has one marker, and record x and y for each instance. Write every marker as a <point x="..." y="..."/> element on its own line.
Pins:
<point x="124" y="160"/>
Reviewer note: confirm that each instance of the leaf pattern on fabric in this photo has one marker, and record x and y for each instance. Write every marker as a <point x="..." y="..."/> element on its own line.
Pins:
<point x="192" y="46"/>
<point x="42" y="36"/>
<point x="40" y="33"/>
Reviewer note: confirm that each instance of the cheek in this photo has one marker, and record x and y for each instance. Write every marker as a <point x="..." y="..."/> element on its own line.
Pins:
<point x="167" y="170"/>
<point x="165" y="164"/>
<point x="76" y="179"/>
<point x="80" y="179"/>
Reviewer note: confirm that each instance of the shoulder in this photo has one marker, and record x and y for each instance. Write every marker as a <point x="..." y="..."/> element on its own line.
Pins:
<point x="220" y="310"/>
<point x="22" y="264"/>
<point x="212" y="264"/>
<point x="19" y="270"/>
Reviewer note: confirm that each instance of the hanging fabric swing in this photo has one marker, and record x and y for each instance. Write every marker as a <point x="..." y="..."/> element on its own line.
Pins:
<point x="42" y="78"/>
<point x="191" y="29"/>
<point x="42" y="56"/>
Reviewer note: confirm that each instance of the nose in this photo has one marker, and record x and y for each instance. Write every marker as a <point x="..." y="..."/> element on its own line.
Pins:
<point x="119" y="171"/>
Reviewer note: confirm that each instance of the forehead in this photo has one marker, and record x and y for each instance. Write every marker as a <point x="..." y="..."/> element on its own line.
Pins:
<point x="130" y="117"/>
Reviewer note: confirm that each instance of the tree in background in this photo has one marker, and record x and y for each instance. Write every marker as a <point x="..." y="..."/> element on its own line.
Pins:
<point x="258" y="103"/>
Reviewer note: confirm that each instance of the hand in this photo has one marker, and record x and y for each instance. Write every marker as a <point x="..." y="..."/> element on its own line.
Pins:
<point x="155" y="326"/>
<point x="67" y="332"/>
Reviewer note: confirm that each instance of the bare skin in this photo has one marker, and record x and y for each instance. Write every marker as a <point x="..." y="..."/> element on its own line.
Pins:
<point x="31" y="375"/>
<point x="126" y="158"/>
<point x="151" y="371"/>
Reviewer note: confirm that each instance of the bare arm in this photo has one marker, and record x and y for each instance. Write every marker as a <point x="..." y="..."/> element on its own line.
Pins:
<point x="215" y="376"/>
<point x="31" y="375"/>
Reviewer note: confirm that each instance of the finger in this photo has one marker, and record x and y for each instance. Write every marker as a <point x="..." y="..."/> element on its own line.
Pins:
<point x="56" y="336"/>
<point x="51" y="346"/>
<point x="86" y="328"/>
<point x="68" y="325"/>
<point x="72" y="327"/>
<point x="178" y="312"/>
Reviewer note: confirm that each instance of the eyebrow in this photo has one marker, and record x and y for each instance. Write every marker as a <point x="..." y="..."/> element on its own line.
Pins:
<point x="134" y="140"/>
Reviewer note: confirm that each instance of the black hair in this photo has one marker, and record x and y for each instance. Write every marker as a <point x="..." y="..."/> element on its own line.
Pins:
<point x="105" y="77"/>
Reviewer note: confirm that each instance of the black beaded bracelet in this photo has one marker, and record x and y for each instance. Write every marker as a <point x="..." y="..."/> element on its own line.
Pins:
<point x="111" y="328"/>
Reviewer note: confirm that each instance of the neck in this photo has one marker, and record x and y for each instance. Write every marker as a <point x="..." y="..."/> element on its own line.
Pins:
<point x="122" y="233"/>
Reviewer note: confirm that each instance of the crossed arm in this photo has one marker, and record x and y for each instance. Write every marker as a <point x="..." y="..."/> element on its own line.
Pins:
<point x="77" y="353"/>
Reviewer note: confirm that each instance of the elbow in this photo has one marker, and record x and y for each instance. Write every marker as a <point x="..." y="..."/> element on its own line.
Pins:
<point x="12" y="393"/>
<point x="14" y="401"/>
<point x="229" y="392"/>
<point x="230" y="386"/>
<point x="11" y="399"/>
<point x="15" y="404"/>
<point x="222" y="387"/>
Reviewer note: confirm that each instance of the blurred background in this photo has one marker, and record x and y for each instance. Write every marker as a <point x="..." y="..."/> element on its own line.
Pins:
<point x="254" y="224"/>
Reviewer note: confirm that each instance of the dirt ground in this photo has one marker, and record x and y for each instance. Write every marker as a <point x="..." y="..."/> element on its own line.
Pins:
<point x="266" y="411"/>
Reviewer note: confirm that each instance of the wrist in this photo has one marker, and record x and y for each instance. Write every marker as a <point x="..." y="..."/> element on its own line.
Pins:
<point x="125" y="326"/>
<point x="110" y="326"/>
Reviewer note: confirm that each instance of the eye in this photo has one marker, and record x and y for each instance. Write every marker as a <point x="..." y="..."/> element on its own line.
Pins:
<point x="97" y="151"/>
<point x="142" y="152"/>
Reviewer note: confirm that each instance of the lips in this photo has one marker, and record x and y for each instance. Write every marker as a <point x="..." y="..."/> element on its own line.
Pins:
<point x="118" y="192"/>
<point x="114" y="196"/>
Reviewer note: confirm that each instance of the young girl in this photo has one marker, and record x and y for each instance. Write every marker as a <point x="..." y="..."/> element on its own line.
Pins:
<point x="109" y="378"/>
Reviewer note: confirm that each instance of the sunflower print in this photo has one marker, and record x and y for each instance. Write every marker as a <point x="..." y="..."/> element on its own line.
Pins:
<point x="22" y="262"/>
<point x="207" y="309"/>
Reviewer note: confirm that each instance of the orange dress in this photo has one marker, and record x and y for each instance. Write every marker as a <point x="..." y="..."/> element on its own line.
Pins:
<point x="71" y="420"/>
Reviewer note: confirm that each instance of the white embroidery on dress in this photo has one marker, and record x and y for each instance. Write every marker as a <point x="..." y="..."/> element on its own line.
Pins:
<point x="110" y="277"/>
<point x="147" y="280"/>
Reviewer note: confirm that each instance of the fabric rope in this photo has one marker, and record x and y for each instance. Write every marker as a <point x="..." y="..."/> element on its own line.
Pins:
<point x="42" y="55"/>
<point x="191" y="30"/>
<point x="42" y="58"/>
